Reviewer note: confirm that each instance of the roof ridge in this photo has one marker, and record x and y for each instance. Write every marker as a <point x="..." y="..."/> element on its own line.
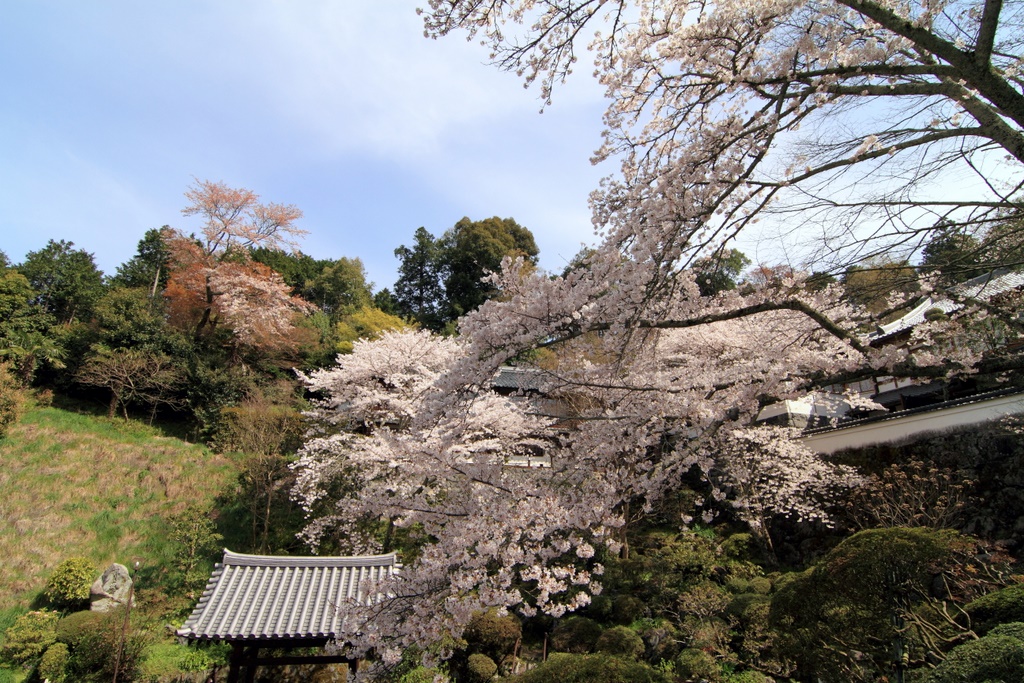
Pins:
<point x="245" y="560"/>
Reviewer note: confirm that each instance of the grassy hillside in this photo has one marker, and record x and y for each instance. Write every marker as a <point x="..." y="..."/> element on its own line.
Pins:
<point x="79" y="485"/>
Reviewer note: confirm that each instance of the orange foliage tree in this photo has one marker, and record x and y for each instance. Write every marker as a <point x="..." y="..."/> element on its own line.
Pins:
<point x="214" y="279"/>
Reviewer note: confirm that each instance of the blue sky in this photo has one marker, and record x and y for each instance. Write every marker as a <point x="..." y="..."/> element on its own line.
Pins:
<point x="341" y="107"/>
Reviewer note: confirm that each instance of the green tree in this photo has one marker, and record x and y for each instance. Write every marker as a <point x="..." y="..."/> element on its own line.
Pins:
<point x="340" y="287"/>
<point x="720" y="272"/>
<point x="296" y="267"/>
<point x="17" y="311"/>
<point x="196" y="538"/>
<point x="66" y="280"/>
<point x="27" y="349"/>
<point x="871" y="284"/>
<point x="879" y="601"/>
<point x="470" y="250"/>
<point x="385" y="301"/>
<point x="127" y="318"/>
<point x="148" y="268"/>
<point x="954" y="253"/>
<point x="366" y="323"/>
<point x="418" y="291"/>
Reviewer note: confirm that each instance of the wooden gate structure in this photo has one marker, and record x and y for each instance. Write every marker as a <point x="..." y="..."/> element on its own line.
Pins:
<point x="264" y="602"/>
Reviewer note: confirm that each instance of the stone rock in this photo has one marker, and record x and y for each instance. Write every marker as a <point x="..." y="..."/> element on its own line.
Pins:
<point x="112" y="590"/>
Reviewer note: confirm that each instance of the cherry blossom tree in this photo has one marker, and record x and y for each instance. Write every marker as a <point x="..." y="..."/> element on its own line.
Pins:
<point x="709" y="108"/>
<point x="841" y="114"/>
<point x="213" y="276"/>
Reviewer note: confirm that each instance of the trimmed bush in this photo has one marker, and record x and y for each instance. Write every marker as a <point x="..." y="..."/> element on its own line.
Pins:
<point x="573" y="668"/>
<point x="761" y="585"/>
<point x="480" y="668"/>
<point x="1014" y="629"/>
<point x="999" y="607"/>
<point x="621" y="641"/>
<point x="53" y="666"/>
<point x="992" y="658"/>
<point x="577" y="635"/>
<point x="626" y="609"/>
<point x="94" y="646"/>
<point x="697" y="665"/>
<point x="748" y="677"/>
<point x="68" y="585"/>
<point x="73" y="628"/>
<point x="420" y="674"/>
<point x="739" y="605"/>
<point x="491" y="634"/>
<point x="28" y="637"/>
<point x="600" y="608"/>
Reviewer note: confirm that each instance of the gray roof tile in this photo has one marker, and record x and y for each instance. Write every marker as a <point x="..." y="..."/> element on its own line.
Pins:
<point x="261" y="597"/>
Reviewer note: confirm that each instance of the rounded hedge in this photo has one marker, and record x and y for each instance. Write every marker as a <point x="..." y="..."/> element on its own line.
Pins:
<point x="621" y="641"/>
<point x="491" y="634"/>
<point x="53" y="666"/>
<point x="999" y="607"/>
<point x="28" y="637"/>
<point x="992" y="658"/>
<point x="574" y="668"/>
<point x="480" y="668"/>
<point x="69" y="584"/>
<point x="577" y="635"/>
<point x="1014" y="629"/>
<point x="77" y="626"/>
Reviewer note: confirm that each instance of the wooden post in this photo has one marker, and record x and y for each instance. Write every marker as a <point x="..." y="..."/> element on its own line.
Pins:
<point x="235" y="662"/>
<point x="250" y="663"/>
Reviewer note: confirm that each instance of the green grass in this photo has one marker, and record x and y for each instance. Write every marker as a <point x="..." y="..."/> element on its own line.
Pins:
<point x="81" y="485"/>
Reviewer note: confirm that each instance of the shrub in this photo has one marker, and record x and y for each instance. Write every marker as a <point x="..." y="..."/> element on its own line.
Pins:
<point x="491" y="634"/>
<point x="28" y="637"/>
<point x="661" y="639"/>
<point x="480" y="668"/>
<point x="574" y="668"/>
<point x="748" y="677"/>
<point x="739" y="547"/>
<point x="738" y="606"/>
<point x="95" y="654"/>
<point x="621" y="641"/>
<point x="260" y="428"/>
<point x="575" y="634"/>
<point x="420" y="674"/>
<point x="76" y="626"/>
<point x="53" y="666"/>
<point x="992" y="658"/>
<point x="11" y="400"/>
<point x="626" y="609"/>
<point x="998" y="607"/>
<point x="68" y="585"/>
<point x="1014" y="629"/>
<point x="761" y="585"/>
<point x="600" y="607"/>
<point x="697" y="665"/>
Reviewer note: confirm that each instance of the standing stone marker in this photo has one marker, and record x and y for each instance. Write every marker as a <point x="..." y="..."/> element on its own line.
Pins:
<point x="111" y="590"/>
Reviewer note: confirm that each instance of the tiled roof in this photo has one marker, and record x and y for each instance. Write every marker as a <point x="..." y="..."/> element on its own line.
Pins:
<point x="261" y="597"/>
<point x="982" y="287"/>
<point x="517" y="379"/>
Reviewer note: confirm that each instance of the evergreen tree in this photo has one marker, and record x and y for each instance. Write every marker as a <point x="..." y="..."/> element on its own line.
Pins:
<point x="418" y="293"/>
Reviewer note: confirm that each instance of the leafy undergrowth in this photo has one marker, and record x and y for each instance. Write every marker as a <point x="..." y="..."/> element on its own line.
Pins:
<point x="80" y="485"/>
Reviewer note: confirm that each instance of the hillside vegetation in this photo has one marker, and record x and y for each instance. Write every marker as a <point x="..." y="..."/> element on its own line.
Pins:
<point x="80" y="485"/>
